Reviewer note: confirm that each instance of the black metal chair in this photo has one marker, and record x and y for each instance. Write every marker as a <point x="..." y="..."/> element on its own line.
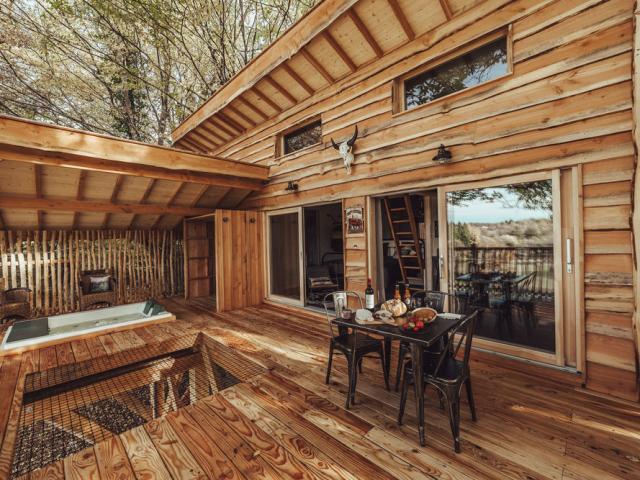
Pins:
<point x="448" y="375"/>
<point x="438" y="301"/>
<point x="354" y="345"/>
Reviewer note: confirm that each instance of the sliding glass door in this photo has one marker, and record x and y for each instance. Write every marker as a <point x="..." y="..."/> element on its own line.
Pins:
<point x="503" y="253"/>
<point x="284" y="248"/>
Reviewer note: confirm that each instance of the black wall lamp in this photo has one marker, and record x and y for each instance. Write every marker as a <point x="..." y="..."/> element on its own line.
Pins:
<point x="443" y="155"/>
<point x="291" y="187"/>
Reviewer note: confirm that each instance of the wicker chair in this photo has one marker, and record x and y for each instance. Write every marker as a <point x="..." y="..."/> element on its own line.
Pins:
<point x="92" y="298"/>
<point x="15" y="303"/>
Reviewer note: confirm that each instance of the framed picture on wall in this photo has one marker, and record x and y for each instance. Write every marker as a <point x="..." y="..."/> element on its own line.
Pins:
<point x="355" y="220"/>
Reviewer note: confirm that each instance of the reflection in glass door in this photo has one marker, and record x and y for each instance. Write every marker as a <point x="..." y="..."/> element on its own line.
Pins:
<point x="501" y="260"/>
<point x="284" y="255"/>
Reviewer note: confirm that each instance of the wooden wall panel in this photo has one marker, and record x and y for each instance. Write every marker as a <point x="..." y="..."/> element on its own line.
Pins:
<point x="199" y="258"/>
<point x="355" y="251"/>
<point x="568" y="102"/>
<point x="146" y="263"/>
<point x="239" y="250"/>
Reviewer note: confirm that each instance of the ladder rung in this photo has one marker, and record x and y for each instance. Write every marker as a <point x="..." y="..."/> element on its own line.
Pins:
<point x="401" y="221"/>
<point x="407" y="267"/>
<point x="400" y="209"/>
<point x="404" y="233"/>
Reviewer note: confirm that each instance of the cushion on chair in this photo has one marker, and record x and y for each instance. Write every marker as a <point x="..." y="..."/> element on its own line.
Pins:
<point x="319" y="282"/>
<point x="99" y="284"/>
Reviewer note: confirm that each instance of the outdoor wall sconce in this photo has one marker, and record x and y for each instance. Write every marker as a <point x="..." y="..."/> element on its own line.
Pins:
<point x="291" y="187"/>
<point x="443" y="155"/>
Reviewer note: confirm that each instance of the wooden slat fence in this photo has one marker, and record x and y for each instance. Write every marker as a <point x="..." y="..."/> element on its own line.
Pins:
<point x="146" y="263"/>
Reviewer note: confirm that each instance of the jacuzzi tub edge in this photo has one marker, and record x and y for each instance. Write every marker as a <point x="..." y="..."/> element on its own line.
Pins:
<point x="76" y="317"/>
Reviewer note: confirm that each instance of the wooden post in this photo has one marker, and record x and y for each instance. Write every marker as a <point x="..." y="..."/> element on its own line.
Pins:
<point x="635" y="207"/>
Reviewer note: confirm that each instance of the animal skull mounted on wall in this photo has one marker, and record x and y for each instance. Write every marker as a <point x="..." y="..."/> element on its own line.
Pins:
<point x="346" y="150"/>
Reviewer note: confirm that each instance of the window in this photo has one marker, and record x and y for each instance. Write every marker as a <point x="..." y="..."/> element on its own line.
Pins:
<point x="473" y="68"/>
<point x="303" y="137"/>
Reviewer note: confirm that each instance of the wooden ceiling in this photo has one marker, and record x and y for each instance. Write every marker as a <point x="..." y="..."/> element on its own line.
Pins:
<point x="329" y="43"/>
<point x="59" y="178"/>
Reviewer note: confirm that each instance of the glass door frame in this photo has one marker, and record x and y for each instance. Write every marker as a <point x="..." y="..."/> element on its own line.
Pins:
<point x="279" y="298"/>
<point x="557" y="358"/>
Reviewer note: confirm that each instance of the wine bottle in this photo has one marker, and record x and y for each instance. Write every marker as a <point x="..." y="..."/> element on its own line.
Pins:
<point x="407" y="296"/>
<point x="369" y="297"/>
<point x="396" y="293"/>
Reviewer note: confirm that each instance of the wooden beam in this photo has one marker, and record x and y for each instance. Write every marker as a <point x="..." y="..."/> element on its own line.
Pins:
<point x="446" y="8"/>
<point x="321" y="70"/>
<point x="267" y="100"/>
<point x="114" y="196"/>
<point x="209" y="129"/>
<point x="635" y="208"/>
<point x="185" y="144"/>
<point x="168" y="204"/>
<point x="199" y="195"/>
<point x="227" y="130"/>
<point x="242" y="199"/>
<point x="285" y="93"/>
<point x="144" y="197"/>
<point x="37" y="180"/>
<point x="199" y="139"/>
<point x="67" y="205"/>
<point x="229" y="121"/>
<point x="297" y="78"/>
<point x="79" y="195"/>
<point x="47" y="139"/>
<point x="297" y="36"/>
<point x="402" y="18"/>
<point x="362" y="28"/>
<point x="242" y="116"/>
<point x="121" y="168"/>
<point x="339" y="51"/>
<point x="253" y="108"/>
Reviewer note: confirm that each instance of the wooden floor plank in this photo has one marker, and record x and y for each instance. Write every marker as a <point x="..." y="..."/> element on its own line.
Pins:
<point x="143" y="456"/>
<point x="64" y="354"/>
<point x="81" y="350"/>
<point x="112" y="460"/>
<point x="174" y="453"/>
<point x="82" y="465"/>
<point x="53" y="471"/>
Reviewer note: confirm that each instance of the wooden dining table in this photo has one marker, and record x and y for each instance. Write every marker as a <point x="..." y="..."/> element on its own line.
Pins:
<point x="431" y="334"/>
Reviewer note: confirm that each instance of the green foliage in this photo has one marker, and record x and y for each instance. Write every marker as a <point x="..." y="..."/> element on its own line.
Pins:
<point x="132" y="68"/>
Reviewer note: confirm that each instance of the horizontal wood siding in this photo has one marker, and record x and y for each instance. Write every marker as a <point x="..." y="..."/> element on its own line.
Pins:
<point x="568" y="102"/>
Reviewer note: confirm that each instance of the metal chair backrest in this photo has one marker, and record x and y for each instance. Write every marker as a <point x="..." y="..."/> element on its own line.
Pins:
<point x="335" y="302"/>
<point x="429" y="298"/>
<point x="456" y="303"/>
<point x="461" y="335"/>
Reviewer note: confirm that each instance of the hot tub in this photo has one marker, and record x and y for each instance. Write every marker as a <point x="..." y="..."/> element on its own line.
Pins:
<point x="28" y="334"/>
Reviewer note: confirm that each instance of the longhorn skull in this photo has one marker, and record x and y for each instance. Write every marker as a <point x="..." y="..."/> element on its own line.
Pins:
<point x="346" y="150"/>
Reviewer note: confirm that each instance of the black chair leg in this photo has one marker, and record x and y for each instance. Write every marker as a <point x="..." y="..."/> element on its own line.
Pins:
<point x="360" y="366"/>
<point x="329" y="364"/>
<point x="453" y="404"/>
<point x="384" y="369"/>
<point x="353" y="371"/>
<point x="472" y="404"/>
<point x="403" y="398"/>
<point x="402" y="352"/>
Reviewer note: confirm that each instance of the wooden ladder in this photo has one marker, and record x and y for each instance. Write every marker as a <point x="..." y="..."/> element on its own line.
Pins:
<point x="400" y="215"/>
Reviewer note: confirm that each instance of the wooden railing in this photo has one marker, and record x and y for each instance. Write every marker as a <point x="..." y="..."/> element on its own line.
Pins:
<point x="518" y="260"/>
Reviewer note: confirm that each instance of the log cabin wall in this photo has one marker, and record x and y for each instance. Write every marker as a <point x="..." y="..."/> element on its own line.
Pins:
<point x="567" y="102"/>
<point x="145" y="262"/>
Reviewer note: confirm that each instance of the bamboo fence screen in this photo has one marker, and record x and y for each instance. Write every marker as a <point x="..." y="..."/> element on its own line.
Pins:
<point x="145" y="262"/>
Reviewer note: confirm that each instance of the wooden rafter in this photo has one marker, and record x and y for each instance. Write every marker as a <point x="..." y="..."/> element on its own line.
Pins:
<point x="187" y="145"/>
<point x="37" y="179"/>
<point x="362" y="28"/>
<point x="241" y="115"/>
<point x="253" y="108"/>
<point x="209" y="143"/>
<point x="230" y="122"/>
<point x="317" y="65"/>
<point x="446" y="8"/>
<point x="199" y="196"/>
<point x="243" y="197"/>
<point x="114" y="197"/>
<point x="40" y="139"/>
<point x="402" y="18"/>
<point x="281" y="90"/>
<point x="267" y="100"/>
<point x="209" y="129"/>
<point x="298" y="79"/>
<point x="79" y="196"/>
<point x="143" y="199"/>
<point x="122" y="168"/>
<point x="223" y="198"/>
<point x="67" y="205"/>
<point x="168" y="204"/>
<point x="227" y="130"/>
<point x="339" y="51"/>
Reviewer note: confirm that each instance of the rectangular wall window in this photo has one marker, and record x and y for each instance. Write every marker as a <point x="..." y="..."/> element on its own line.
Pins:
<point x="477" y="66"/>
<point x="284" y="255"/>
<point x="303" y="137"/>
<point x="501" y="260"/>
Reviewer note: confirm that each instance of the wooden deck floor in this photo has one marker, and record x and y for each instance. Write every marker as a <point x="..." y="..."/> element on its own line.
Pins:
<point x="289" y="424"/>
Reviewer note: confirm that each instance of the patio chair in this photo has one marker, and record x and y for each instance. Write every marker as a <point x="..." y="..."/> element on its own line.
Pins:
<point x="319" y="283"/>
<point x="448" y="374"/>
<point x="97" y="288"/>
<point x="15" y="303"/>
<point x="354" y="345"/>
